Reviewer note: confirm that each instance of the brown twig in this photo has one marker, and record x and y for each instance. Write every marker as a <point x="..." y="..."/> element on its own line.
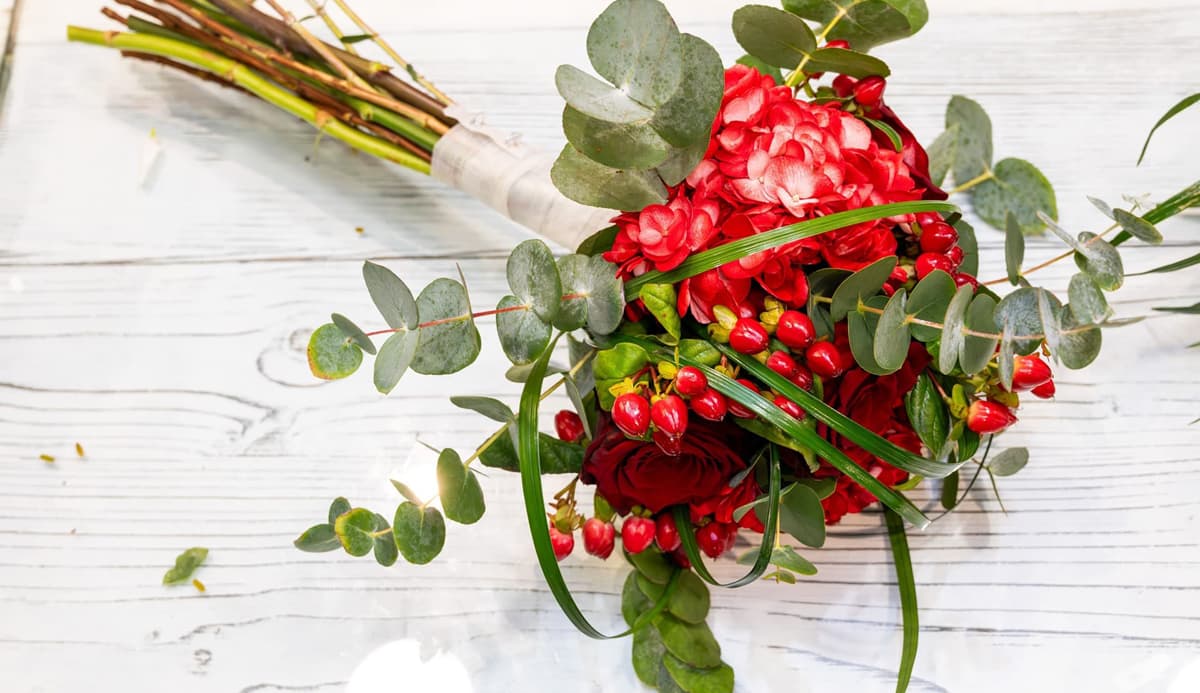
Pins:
<point x="391" y="52"/>
<point x="193" y="71"/>
<point x="319" y="8"/>
<point x="317" y="45"/>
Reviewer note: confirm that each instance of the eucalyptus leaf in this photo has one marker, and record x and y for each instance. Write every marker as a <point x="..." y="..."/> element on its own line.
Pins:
<point x="928" y="301"/>
<point x="978" y="351"/>
<point x="953" y="339"/>
<point x="385" y="544"/>
<point x="801" y="516"/>
<point x="1014" y="249"/>
<point x="395" y="356"/>
<point x="420" y="532"/>
<point x="690" y="600"/>
<point x="452" y="345"/>
<point x="355" y="530"/>
<point x="864" y="23"/>
<point x="634" y="602"/>
<point x="680" y="163"/>
<point x="621" y="145"/>
<point x="1079" y="343"/>
<point x="572" y="312"/>
<point x="718" y="679"/>
<point x="1137" y="227"/>
<point x="687" y="118"/>
<point x="653" y="565"/>
<point x="969" y="149"/>
<point x="892" y="334"/>
<point x="648" y="651"/>
<point x="860" y="286"/>
<point x="533" y="277"/>
<point x="941" y="154"/>
<point x="786" y="557"/>
<point x="1087" y="300"/>
<point x="597" y="99"/>
<point x="589" y="183"/>
<point x="605" y="296"/>
<point x="823" y="283"/>
<point x="458" y="487"/>
<point x="523" y="335"/>
<point x="1018" y="311"/>
<point x="861" y="330"/>
<point x="1101" y="261"/>
<point x="772" y="35"/>
<point x="691" y="642"/>
<point x="635" y="45"/>
<point x="354" y="332"/>
<point x="1006" y="358"/>
<point x="490" y="407"/>
<point x="318" y="539"/>
<point x="1016" y="186"/>
<point x="332" y="354"/>
<point x="1009" y="462"/>
<point x="847" y="62"/>
<point x="970" y="247"/>
<point x="391" y="296"/>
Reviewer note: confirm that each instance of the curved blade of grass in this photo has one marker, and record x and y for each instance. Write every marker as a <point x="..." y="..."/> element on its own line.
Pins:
<point x="529" y="454"/>
<point x="1170" y="267"/>
<point x="864" y="438"/>
<point x="1184" y="199"/>
<point x="908" y="598"/>
<point x="715" y="257"/>
<point x="1171" y="113"/>
<point x="687" y="535"/>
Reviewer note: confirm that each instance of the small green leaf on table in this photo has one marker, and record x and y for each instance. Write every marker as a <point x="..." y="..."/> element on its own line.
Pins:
<point x="185" y="564"/>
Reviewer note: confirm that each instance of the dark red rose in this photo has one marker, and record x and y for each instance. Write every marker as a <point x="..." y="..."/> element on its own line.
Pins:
<point x="632" y="472"/>
<point x="914" y="154"/>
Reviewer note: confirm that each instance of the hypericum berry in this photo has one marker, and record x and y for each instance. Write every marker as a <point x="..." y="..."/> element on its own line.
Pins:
<point x="670" y="443"/>
<point x="795" y="329"/>
<point x="689" y="381"/>
<point x="637" y="533"/>
<point x="825" y="360"/>
<point x="869" y="90"/>
<point x="568" y="425"/>
<point x="956" y="255"/>
<point x="791" y="408"/>
<point x="989" y="417"/>
<point x="843" y="85"/>
<point x="1045" y="390"/>
<point x="737" y="409"/>
<point x="748" y="336"/>
<point x="938" y="237"/>
<point x="838" y="43"/>
<point x="962" y="279"/>
<point x="631" y="414"/>
<point x="782" y="363"/>
<point x="598" y="537"/>
<point x="1029" y="372"/>
<point x="669" y="414"/>
<point x="927" y="218"/>
<point x="710" y="405"/>
<point x="666" y="533"/>
<point x="712" y="539"/>
<point x="928" y="262"/>
<point x="802" y="378"/>
<point x="681" y="559"/>
<point x="562" y="542"/>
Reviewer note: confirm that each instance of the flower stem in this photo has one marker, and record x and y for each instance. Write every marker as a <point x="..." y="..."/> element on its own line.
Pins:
<point x="985" y="176"/>
<point x="391" y="52"/>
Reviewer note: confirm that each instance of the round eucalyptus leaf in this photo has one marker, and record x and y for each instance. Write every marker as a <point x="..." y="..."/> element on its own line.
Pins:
<point x="691" y="642"/>
<point x="690" y="600"/>
<point x="847" y="62"/>
<point x="892" y="334"/>
<point x="620" y="145"/>
<point x="635" y="45"/>
<point x="718" y="679"/>
<point x="772" y="35"/>
<point x="823" y="283"/>
<point x="523" y="335"/>
<point x="1006" y="358"/>
<point x="1009" y="461"/>
<point x="633" y="601"/>
<point x="928" y="302"/>
<point x="861" y="330"/>
<point x="605" y="296"/>
<point x="653" y="565"/>
<point x="978" y="351"/>
<point x="449" y="346"/>
<point x="1087" y="300"/>
<point x="801" y="515"/>
<point x="1079" y="342"/>
<point x="970" y="148"/>
<point x="648" y="653"/>
<point x="318" y="539"/>
<point x="1101" y="261"/>
<point x="1103" y="206"/>
<point x="458" y="487"/>
<point x="952" y="341"/>
<point x="385" y="544"/>
<point x="580" y="179"/>
<point x="786" y="557"/>
<point x="332" y="354"/>
<point x="864" y="23"/>
<point x="1137" y="227"/>
<point x="970" y="247"/>
<point x="391" y="296"/>
<point x="860" y="286"/>
<point x="533" y="277"/>
<point x="1017" y="186"/>
<point x="941" y="154"/>
<point x="420" y="532"/>
<point x="680" y="163"/>
<point x="490" y="407"/>
<point x="354" y="332"/>
<point x="340" y="506"/>
<point x="597" y="99"/>
<point x="355" y="530"/>
<point x="1019" y="313"/>
<point x="687" y="118"/>
<point x="1014" y="249"/>
<point x="572" y="312"/>
<point x="768" y="70"/>
<point x="395" y="356"/>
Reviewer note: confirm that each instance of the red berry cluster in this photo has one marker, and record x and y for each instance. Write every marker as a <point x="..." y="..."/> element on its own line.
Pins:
<point x="939" y="249"/>
<point x="1030" y="373"/>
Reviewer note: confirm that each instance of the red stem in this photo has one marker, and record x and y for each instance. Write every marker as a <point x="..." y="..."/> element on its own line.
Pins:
<point x="443" y="321"/>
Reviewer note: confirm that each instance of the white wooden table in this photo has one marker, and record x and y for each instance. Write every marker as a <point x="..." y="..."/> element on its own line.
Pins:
<point x="161" y="325"/>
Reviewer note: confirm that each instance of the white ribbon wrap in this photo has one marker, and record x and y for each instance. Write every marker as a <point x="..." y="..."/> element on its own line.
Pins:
<point x="514" y="179"/>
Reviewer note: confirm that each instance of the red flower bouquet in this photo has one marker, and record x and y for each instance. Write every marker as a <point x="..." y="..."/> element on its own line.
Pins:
<point x="780" y="322"/>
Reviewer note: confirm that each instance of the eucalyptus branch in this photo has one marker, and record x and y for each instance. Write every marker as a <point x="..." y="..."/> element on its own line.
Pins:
<point x="1056" y="258"/>
<point x="987" y="175"/>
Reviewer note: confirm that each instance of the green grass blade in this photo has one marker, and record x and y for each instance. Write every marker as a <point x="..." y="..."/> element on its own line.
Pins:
<point x="1170" y="267"/>
<point x="1184" y="199"/>
<point x="908" y="598"/>
<point x="1171" y="113"/>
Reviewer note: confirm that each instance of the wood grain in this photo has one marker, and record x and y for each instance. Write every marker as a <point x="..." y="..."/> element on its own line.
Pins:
<point x="162" y="326"/>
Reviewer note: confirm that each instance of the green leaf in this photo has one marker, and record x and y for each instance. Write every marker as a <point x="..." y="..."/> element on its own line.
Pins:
<point x="724" y="254"/>
<point x="861" y="328"/>
<point x="1173" y="111"/>
<point x="420" y="532"/>
<point x="908" y="598"/>
<point x="892" y="335"/>
<point x="690" y="601"/>
<point x="648" y="652"/>
<point x="633" y="145"/>
<point x="1187" y="310"/>
<point x="1016" y="186"/>
<point x="490" y="407"/>
<point x="558" y="457"/>
<point x="681" y="162"/>
<point x="596" y="99"/>
<point x="768" y="70"/>
<point x="1101" y="261"/>
<point x="634" y="602"/>
<point x="970" y="247"/>
<point x="691" y="642"/>
<point x="978" y="351"/>
<point x="949" y="497"/>
<point x="846" y="62"/>
<point x="1079" y="343"/>
<point x="773" y="36"/>
<point x="450" y="346"/>
<point x="635" y="45"/>
<point x="355" y="531"/>
<point x="1009" y="462"/>
<point x="1006" y="358"/>
<point x="395" y="356"/>
<point x="1014" y="249"/>
<point x="621" y="360"/>
<point x="318" y="539"/>
<point x="385" y="549"/>
<point x="1137" y="227"/>
<point x="786" y="557"/>
<point x="340" y="506"/>
<point x="929" y="300"/>
<point x="185" y="564"/>
<point x="1018" y="312"/>
<point x="953" y="339"/>
<point x="605" y="296"/>
<point x="522" y="333"/>
<point x="354" y="332"/>
<point x="821" y="284"/>
<point x="887" y="130"/>
<point x="692" y="679"/>
<point x="1087" y="300"/>
<point x="458" y="487"/>
<point x="969" y="149"/>
<point x="864" y="23"/>
<point x="700" y="351"/>
<point x="941" y="154"/>
<point x="801" y="515"/>
<point x="355" y="38"/>
<point x="1171" y="266"/>
<point x="927" y="414"/>
<point x="662" y="301"/>
<point x="860" y="286"/>
<point x="580" y="179"/>
<point x="332" y="354"/>
<point x="533" y="278"/>
<point x="391" y="296"/>
<point x="405" y="491"/>
<point x="687" y="118"/>
<point x="573" y="271"/>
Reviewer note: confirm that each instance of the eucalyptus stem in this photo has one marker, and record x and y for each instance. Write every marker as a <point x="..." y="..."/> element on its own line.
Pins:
<point x="251" y="81"/>
<point x="985" y="176"/>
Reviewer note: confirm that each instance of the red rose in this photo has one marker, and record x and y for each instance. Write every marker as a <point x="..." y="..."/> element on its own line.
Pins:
<point x="633" y="472"/>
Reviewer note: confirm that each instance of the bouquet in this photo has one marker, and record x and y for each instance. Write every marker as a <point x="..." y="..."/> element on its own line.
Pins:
<point x="772" y="317"/>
